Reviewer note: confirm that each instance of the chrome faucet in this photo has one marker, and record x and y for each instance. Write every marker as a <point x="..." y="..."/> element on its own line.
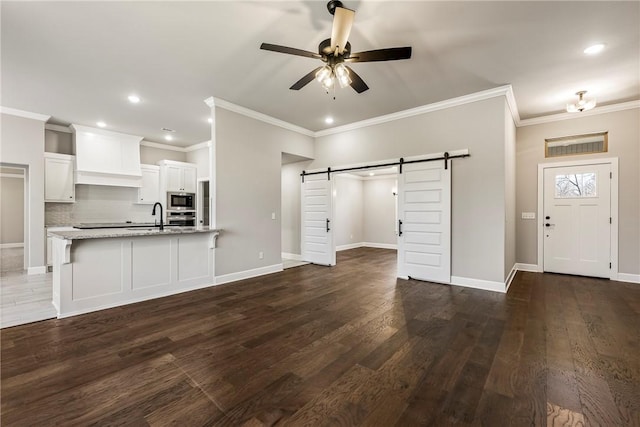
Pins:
<point x="153" y="212"/>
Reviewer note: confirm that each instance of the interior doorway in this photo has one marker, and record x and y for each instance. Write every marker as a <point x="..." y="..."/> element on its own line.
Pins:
<point x="12" y="219"/>
<point x="292" y="167"/>
<point x="579" y="222"/>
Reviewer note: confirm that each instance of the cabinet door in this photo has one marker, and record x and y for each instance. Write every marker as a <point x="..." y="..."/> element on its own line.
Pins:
<point x="59" y="185"/>
<point x="149" y="193"/>
<point x="189" y="181"/>
<point x="174" y="178"/>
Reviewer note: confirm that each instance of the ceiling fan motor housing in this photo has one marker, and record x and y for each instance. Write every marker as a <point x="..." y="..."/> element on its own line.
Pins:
<point x="331" y="6"/>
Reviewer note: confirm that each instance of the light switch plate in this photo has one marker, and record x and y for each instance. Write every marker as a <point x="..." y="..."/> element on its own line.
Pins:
<point x="528" y="215"/>
<point x="273" y="215"/>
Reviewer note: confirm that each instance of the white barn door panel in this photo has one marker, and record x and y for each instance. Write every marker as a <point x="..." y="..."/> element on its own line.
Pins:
<point x="424" y="222"/>
<point x="317" y="220"/>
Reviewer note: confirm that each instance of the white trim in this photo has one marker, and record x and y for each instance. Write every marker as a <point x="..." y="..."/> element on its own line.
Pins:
<point x="49" y="155"/>
<point x="247" y="274"/>
<point x="11" y="245"/>
<point x="294" y="257"/>
<point x="613" y="161"/>
<point x="11" y="175"/>
<point x="198" y="146"/>
<point x="532" y="268"/>
<point x="37" y="270"/>
<point x="448" y="103"/>
<point x="510" y="277"/>
<point x="57" y="128"/>
<point x="487" y="285"/>
<point x="380" y="245"/>
<point x="513" y="107"/>
<point x="133" y="301"/>
<point x="568" y="116"/>
<point x="221" y="103"/>
<point x="630" y="278"/>
<point x="349" y="246"/>
<point x="25" y="114"/>
<point x="159" y="146"/>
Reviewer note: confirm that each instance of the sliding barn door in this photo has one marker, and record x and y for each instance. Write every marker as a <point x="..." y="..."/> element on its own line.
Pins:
<point x="317" y="220"/>
<point x="424" y="222"/>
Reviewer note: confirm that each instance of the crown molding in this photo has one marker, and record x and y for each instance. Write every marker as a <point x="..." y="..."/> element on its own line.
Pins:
<point x="25" y="114"/>
<point x="568" y="116"/>
<point x="221" y="103"/>
<point x="198" y="146"/>
<point x="57" y="128"/>
<point x="441" y="105"/>
<point x="159" y="146"/>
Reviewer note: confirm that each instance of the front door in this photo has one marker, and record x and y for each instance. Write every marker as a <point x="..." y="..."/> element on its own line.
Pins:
<point x="317" y="220"/>
<point x="424" y="222"/>
<point x="577" y="220"/>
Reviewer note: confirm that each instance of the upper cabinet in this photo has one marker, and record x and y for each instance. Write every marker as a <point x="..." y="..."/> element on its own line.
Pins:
<point x="58" y="174"/>
<point x="149" y="193"/>
<point x="107" y="158"/>
<point x="178" y="176"/>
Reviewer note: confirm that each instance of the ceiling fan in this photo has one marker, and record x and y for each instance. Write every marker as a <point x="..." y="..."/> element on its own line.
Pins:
<point x="336" y="51"/>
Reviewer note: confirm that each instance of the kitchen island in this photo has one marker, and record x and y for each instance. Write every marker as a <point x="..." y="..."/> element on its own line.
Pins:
<point x="103" y="268"/>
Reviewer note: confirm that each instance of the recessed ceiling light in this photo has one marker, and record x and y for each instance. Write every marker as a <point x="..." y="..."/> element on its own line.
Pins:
<point x="210" y="120"/>
<point x="594" y="49"/>
<point x="101" y="124"/>
<point x="134" y="99"/>
<point x="371" y="173"/>
<point x="168" y="137"/>
<point x="328" y="120"/>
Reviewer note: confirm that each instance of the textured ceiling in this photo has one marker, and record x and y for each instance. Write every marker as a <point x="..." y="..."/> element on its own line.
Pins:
<point x="78" y="61"/>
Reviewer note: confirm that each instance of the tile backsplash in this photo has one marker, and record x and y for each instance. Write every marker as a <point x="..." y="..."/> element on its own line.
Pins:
<point x="98" y="203"/>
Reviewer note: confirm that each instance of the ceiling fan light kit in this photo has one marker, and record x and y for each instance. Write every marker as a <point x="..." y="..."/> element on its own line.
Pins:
<point x="336" y="51"/>
<point x="583" y="103"/>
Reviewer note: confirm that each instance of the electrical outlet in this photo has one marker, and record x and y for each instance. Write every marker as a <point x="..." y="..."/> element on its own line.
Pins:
<point x="528" y="215"/>
<point x="260" y="255"/>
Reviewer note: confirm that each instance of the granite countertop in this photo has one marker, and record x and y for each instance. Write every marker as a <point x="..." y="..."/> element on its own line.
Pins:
<point x="102" y="233"/>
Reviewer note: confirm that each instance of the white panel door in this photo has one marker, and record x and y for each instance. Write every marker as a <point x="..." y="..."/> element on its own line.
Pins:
<point x="424" y="222"/>
<point x="317" y="220"/>
<point x="577" y="212"/>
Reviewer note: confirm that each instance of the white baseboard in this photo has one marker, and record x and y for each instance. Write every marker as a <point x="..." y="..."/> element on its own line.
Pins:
<point x="533" y="268"/>
<point x="349" y="246"/>
<point x="37" y="270"/>
<point x="631" y="278"/>
<point x="11" y="245"/>
<point x="510" y="277"/>
<point x="295" y="257"/>
<point x="380" y="245"/>
<point x="247" y="274"/>
<point x="486" y="285"/>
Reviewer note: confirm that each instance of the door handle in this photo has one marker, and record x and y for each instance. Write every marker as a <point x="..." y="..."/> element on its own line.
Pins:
<point x="399" y="227"/>
<point x="328" y="221"/>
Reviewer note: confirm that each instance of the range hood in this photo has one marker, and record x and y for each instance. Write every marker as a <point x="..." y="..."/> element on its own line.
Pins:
<point x="106" y="158"/>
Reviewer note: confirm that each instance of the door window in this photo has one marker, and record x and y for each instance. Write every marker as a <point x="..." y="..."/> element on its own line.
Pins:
<point x="575" y="185"/>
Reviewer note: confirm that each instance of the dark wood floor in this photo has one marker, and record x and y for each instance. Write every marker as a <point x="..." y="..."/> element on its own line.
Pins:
<point x="348" y="345"/>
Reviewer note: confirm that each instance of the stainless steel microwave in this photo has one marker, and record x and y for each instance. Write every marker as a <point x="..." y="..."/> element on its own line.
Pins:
<point x="181" y="201"/>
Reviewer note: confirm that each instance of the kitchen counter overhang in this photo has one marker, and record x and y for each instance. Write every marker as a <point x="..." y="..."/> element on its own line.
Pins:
<point x="104" y="268"/>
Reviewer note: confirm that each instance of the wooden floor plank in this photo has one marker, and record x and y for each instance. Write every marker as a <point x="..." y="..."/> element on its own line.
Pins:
<point x="347" y="345"/>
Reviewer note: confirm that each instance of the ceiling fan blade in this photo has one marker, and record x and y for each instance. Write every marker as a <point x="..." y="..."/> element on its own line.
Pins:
<point x="342" y="22"/>
<point x="390" y="54"/>
<point x="356" y="81"/>
<point x="289" y="50"/>
<point x="305" y="80"/>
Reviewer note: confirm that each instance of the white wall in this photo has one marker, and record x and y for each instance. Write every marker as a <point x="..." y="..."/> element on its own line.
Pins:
<point x="348" y="210"/>
<point x="478" y="182"/>
<point x="290" y="206"/>
<point x="509" y="192"/>
<point x="22" y="143"/>
<point x="624" y="143"/>
<point x="152" y="155"/>
<point x="248" y="169"/>
<point x="200" y="158"/>
<point x="11" y="209"/>
<point x="379" y="206"/>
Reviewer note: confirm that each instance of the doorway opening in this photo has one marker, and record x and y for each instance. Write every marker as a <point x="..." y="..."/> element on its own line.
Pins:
<point x="292" y="167"/>
<point x="13" y="241"/>
<point x="578" y="218"/>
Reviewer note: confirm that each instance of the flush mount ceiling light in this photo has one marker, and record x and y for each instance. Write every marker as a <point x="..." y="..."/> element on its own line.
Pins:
<point x="583" y="103"/>
<point x="594" y="49"/>
<point x="134" y="99"/>
<point x="101" y="124"/>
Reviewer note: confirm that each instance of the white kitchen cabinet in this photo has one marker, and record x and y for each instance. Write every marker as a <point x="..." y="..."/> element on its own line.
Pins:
<point x="178" y="176"/>
<point x="149" y="193"/>
<point x="58" y="175"/>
